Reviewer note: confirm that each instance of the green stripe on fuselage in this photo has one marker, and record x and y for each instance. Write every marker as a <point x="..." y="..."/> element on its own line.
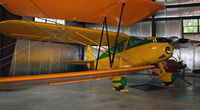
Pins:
<point x="105" y="54"/>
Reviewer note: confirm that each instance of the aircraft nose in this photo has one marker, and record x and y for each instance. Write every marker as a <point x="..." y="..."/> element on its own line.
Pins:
<point x="167" y="50"/>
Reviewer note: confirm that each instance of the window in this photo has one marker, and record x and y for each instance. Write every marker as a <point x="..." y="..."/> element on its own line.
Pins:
<point x="122" y="46"/>
<point x="48" y="20"/>
<point x="131" y="44"/>
<point x="199" y="26"/>
<point x="133" y="41"/>
<point x="103" y="48"/>
<point x="191" y="26"/>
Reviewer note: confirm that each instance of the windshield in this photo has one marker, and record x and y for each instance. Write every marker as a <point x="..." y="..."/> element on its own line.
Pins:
<point x="162" y="40"/>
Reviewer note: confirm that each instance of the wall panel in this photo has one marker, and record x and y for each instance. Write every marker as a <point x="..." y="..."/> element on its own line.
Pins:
<point x="22" y="55"/>
<point x="36" y="57"/>
<point x="45" y="58"/>
<point x="187" y="55"/>
<point x="141" y="29"/>
<point x="34" y="54"/>
<point x="171" y="2"/>
<point x="168" y="28"/>
<point x="197" y="58"/>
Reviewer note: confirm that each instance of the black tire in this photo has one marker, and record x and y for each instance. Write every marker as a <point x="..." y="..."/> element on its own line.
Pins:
<point x="119" y="88"/>
<point x="167" y="83"/>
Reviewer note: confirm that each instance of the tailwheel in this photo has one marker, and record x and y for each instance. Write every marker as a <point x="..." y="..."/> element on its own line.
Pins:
<point x="119" y="83"/>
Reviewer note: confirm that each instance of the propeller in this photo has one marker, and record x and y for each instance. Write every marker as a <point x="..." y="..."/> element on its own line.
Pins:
<point x="182" y="42"/>
<point x="182" y="69"/>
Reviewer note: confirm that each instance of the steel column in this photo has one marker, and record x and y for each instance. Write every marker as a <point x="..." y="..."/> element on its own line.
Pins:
<point x="153" y="25"/>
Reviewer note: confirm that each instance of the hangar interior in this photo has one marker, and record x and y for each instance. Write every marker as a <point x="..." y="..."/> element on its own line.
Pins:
<point x="180" y="18"/>
<point x="166" y="23"/>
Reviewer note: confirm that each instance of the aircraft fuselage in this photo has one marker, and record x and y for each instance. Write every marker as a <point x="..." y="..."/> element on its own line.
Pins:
<point x="143" y="53"/>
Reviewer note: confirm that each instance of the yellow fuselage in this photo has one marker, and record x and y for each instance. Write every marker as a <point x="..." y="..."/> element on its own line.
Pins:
<point x="145" y="54"/>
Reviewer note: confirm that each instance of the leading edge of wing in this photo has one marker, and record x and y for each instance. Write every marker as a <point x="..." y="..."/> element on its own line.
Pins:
<point x="89" y="74"/>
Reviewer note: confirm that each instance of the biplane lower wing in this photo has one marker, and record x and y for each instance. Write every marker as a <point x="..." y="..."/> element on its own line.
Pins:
<point x="70" y="77"/>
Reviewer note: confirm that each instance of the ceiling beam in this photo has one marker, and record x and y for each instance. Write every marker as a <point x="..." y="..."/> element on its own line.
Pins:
<point x="183" y="5"/>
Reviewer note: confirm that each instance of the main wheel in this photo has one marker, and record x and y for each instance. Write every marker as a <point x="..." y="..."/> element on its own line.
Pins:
<point x="119" y="83"/>
<point x="167" y="83"/>
<point x="173" y="78"/>
<point x="119" y="88"/>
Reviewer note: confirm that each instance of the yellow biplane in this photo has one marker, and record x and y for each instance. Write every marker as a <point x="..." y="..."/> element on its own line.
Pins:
<point x="122" y="52"/>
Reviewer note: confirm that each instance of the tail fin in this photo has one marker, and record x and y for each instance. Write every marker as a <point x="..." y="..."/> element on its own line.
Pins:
<point x="90" y="56"/>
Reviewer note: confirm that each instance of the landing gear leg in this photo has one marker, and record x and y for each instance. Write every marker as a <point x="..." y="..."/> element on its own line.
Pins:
<point x="167" y="78"/>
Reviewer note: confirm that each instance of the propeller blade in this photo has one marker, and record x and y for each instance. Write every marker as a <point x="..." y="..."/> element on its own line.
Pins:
<point x="183" y="41"/>
<point x="194" y="41"/>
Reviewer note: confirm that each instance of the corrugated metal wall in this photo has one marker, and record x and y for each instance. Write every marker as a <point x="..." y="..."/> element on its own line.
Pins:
<point x="180" y="11"/>
<point x="169" y="28"/>
<point x="36" y="57"/>
<point x="142" y="29"/>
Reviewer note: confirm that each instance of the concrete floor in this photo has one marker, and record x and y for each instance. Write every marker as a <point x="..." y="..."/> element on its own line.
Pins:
<point x="98" y="95"/>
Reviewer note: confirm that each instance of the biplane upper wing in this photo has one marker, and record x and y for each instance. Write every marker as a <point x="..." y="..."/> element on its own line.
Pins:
<point x="70" y="77"/>
<point x="91" y="11"/>
<point x="56" y="33"/>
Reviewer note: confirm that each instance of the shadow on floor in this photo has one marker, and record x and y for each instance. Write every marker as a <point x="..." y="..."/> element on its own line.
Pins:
<point x="147" y="87"/>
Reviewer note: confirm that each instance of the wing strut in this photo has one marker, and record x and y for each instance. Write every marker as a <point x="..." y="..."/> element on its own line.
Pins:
<point x="117" y="36"/>
<point x="100" y="44"/>
<point x="108" y="42"/>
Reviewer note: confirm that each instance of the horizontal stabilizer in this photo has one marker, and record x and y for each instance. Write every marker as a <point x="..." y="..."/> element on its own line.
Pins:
<point x="79" y="62"/>
<point x="90" y="64"/>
